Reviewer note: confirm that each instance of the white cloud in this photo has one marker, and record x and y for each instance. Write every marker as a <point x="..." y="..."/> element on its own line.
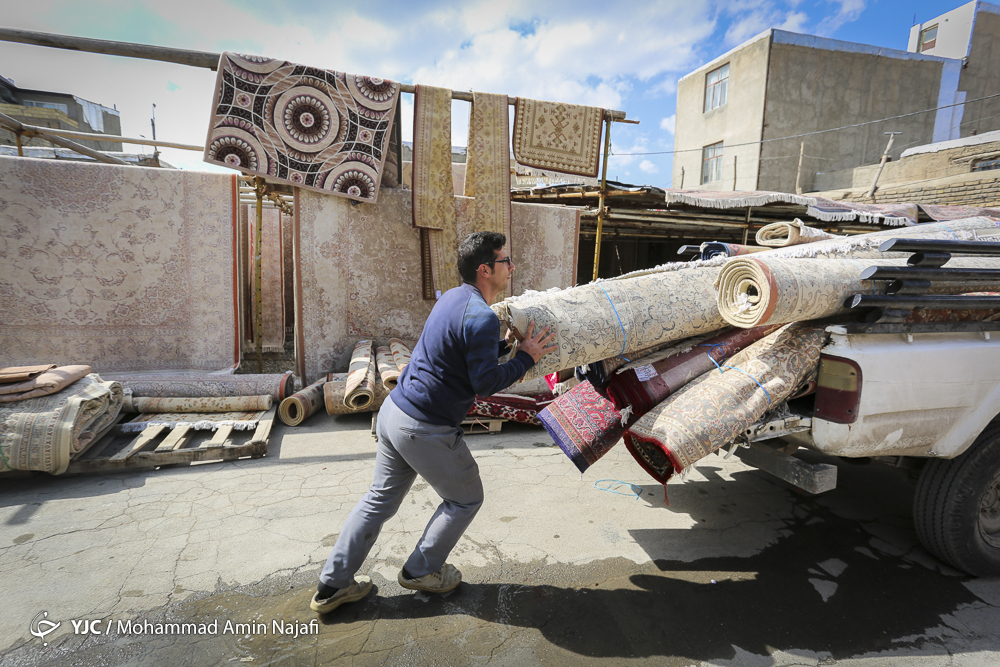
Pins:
<point x="848" y="11"/>
<point x="648" y="167"/>
<point x="668" y="123"/>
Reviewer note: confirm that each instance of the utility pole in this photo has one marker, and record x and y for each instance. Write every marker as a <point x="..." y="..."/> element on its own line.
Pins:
<point x="881" y="164"/>
<point x="156" y="151"/>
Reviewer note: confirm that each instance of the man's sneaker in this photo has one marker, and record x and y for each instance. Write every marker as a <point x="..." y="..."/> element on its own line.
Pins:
<point x="446" y="579"/>
<point x="361" y="587"/>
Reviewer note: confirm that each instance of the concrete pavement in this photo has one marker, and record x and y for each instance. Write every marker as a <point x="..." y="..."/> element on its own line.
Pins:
<point x="739" y="569"/>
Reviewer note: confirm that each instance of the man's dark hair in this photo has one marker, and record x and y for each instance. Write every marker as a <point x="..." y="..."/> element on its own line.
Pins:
<point x="478" y="248"/>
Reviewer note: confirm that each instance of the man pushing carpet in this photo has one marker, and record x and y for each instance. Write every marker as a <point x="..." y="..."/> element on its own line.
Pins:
<point x="419" y="428"/>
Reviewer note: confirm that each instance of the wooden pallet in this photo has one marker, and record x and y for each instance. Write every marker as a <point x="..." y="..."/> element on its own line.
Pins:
<point x="157" y="446"/>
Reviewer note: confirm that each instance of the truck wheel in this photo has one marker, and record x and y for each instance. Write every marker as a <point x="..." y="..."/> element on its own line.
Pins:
<point x="956" y="506"/>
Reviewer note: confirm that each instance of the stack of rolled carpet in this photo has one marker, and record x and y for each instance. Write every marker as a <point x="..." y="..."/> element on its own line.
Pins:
<point x="51" y="415"/>
<point x="662" y="369"/>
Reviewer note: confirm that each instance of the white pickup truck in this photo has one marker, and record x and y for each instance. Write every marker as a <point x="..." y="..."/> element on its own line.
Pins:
<point x="922" y="396"/>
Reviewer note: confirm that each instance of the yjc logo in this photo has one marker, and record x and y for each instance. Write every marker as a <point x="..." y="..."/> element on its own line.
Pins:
<point x="41" y="626"/>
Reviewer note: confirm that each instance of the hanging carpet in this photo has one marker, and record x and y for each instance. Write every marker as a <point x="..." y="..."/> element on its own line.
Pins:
<point x="737" y="199"/>
<point x="271" y="282"/>
<point x="433" y="190"/>
<point x="584" y="423"/>
<point x="712" y="410"/>
<point x="558" y="137"/>
<point x="317" y="129"/>
<point x="828" y="210"/>
<point x="487" y="171"/>
<point x="46" y="432"/>
<point x="944" y="213"/>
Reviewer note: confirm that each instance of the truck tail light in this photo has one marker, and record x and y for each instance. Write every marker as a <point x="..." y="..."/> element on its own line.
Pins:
<point x="838" y="390"/>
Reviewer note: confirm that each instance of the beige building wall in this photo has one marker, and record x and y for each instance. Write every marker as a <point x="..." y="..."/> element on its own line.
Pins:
<point x="817" y="84"/>
<point x="981" y="74"/>
<point x="739" y="121"/>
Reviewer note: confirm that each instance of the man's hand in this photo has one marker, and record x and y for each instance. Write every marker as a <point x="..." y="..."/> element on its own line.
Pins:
<point x="511" y="337"/>
<point x="535" y="345"/>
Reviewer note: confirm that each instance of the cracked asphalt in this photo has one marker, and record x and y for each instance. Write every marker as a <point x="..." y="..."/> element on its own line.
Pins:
<point x="739" y="569"/>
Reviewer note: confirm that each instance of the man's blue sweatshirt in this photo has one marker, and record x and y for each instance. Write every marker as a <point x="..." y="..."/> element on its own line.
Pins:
<point x="456" y="359"/>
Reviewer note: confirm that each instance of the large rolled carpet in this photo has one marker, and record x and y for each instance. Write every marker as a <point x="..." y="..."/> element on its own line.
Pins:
<point x="44" y="433"/>
<point x="761" y="290"/>
<point x="303" y="404"/>
<point x="196" y="385"/>
<point x="604" y="319"/>
<point x="781" y="234"/>
<point x="714" y="409"/>
<point x="148" y="405"/>
<point x="643" y="386"/>
<point x="121" y="268"/>
<point x="308" y="127"/>
<point x="335" y="390"/>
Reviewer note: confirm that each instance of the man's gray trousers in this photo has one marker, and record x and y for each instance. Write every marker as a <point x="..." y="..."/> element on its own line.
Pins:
<point x="406" y="448"/>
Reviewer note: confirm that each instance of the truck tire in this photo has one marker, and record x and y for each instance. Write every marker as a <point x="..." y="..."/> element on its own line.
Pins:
<point x="956" y="506"/>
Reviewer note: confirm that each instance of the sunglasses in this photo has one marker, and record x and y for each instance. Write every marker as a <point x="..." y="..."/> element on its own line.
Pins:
<point x="505" y="260"/>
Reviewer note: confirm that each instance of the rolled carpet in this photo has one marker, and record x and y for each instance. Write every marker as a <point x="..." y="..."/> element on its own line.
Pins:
<point x="400" y="353"/>
<point x="781" y="234"/>
<point x="46" y="432"/>
<point x="48" y="382"/>
<point x="642" y="387"/>
<point x="512" y="407"/>
<point x="336" y="388"/>
<point x="584" y="423"/>
<point x="302" y="404"/>
<point x="388" y="371"/>
<point x="194" y="385"/>
<point x="761" y="290"/>
<point x="600" y="320"/>
<point x="719" y="249"/>
<point x="361" y="374"/>
<point x="150" y="404"/>
<point x="714" y="409"/>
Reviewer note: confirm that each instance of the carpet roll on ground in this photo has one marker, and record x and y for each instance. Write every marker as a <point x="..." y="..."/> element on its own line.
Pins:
<point x="152" y="404"/>
<point x="781" y="234"/>
<point x="301" y="405"/>
<point x="361" y="377"/>
<point x="193" y="385"/>
<point x="400" y="353"/>
<point x="388" y="371"/>
<point x="775" y="290"/>
<point x="336" y="388"/>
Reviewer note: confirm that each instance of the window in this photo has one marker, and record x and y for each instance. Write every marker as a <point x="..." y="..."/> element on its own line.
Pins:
<point x="716" y="87"/>
<point x="928" y="38"/>
<point x="47" y="105"/>
<point x="986" y="165"/>
<point x="711" y="163"/>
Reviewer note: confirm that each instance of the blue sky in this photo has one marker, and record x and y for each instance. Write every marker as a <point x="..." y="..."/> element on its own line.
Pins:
<point x="622" y="55"/>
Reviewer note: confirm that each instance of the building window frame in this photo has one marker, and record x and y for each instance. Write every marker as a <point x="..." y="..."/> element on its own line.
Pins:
<point x="711" y="162"/>
<point x="717" y="87"/>
<point x="987" y="164"/>
<point x="928" y="38"/>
